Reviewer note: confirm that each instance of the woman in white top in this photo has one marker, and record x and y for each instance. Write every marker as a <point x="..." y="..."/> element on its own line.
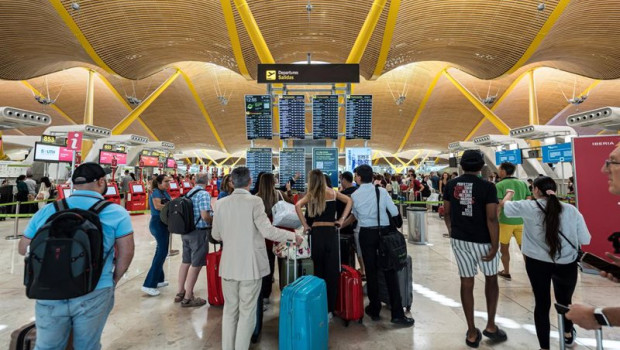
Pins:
<point x="552" y="234"/>
<point x="44" y="191"/>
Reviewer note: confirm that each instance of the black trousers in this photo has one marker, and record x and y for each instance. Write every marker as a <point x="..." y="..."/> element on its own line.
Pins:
<point x="369" y="242"/>
<point x="324" y="247"/>
<point x="267" y="285"/>
<point x="542" y="274"/>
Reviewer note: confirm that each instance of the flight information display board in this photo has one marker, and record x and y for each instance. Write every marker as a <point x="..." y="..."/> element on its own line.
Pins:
<point x="293" y="161"/>
<point x="258" y="160"/>
<point x="258" y="122"/>
<point x="325" y="117"/>
<point x="359" y="117"/>
<point x="292" y="116"/>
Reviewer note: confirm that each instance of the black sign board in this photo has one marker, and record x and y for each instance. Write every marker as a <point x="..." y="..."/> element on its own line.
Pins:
<point x="292" y="162"/>
<point x="292" y="116"/>
<point x="325" y="117"/>
<point x="308" y="73"/>
<point x="258" y="117"/>
<point x="258" y="160"/>
<point x="359" y="117"/>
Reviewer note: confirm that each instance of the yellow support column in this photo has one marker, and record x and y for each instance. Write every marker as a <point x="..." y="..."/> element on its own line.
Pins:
<point x="388" y="33"/>
<point x="357" y="51"/>
<point x="89" y="110"/>
<point x="533" y="100"/>
<point x="260" y="45"/>
<point x="488" y="114"/>
<point x="133" y="115"/>
<point x="233" y="35"/>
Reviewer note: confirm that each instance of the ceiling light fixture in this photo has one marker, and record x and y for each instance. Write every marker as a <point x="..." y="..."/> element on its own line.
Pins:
<point x="75" y="6"/>
<point x="541" y="7"/>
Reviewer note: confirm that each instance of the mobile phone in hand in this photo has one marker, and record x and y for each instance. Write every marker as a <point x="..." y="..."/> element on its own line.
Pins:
<point x="601" y="264"/>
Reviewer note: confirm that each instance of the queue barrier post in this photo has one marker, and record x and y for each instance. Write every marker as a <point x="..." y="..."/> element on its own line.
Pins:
<point x="16" y="234"/>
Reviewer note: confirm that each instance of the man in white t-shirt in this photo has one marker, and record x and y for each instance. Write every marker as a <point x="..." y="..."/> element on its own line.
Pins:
<point x="589" y="317"/>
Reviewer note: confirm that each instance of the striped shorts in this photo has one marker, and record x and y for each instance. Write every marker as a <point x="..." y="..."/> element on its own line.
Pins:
<point x="469" y="257"/>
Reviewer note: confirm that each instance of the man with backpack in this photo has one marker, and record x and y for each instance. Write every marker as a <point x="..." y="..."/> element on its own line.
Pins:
<point x="195" y="244"/>
<point x="55" y="275"/>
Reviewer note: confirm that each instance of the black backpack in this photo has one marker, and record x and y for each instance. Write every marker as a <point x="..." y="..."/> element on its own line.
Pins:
<point x="65" y="258"/>
<point x="179" y="214"/>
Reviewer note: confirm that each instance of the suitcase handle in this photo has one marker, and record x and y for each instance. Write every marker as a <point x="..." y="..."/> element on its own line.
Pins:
<point x="561" y="312"/>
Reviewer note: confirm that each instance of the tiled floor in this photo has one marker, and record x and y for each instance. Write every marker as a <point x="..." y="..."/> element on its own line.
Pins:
<point x="142" y="322"/>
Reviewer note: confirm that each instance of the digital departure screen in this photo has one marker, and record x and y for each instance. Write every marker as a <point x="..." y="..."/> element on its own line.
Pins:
<point x="325" y="117"/>
<point x="359" y="117"/>
<point x="293" y="161"/>
<point x="292" y="116"/>
<point x="258" y="117"/>
<point x="258" y="160"/>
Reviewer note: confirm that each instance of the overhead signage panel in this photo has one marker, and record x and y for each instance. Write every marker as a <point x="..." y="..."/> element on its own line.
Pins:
<point x="562" y="152"/>
<point x="357" y="157"/>
<point x="308" y="73"/>
<point x="292" y="109"/>
<point x="106" y="157"/>
<point x="258" y="160"/>
<point x="359" y="117"/>
<point x="325" y="117"/>
<point x="513" y="156"/>
<point x="326" y="160"/>
<point x="293" y="162"/>
<point x="258" y="121"/>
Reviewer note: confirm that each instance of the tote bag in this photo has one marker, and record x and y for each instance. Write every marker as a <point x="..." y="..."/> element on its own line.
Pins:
<point x="284" y="214"/>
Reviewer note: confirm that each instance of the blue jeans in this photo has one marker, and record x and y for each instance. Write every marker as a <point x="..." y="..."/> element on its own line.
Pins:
<point x="160" y="232"/>
<point x="86" y="315"/>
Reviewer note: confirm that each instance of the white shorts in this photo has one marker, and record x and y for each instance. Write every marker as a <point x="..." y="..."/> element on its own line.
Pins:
<point x="469" y="257"/>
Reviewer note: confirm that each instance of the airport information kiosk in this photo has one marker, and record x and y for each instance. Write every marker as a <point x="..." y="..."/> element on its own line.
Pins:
<point x="187" y="186"/>
<point x="174" y="190"/>
<point x="112" y="194"/>
<point x="136" y="198"/>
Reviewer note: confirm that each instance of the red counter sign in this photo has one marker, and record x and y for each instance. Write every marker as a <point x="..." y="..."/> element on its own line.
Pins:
<point x="74" y="141"/>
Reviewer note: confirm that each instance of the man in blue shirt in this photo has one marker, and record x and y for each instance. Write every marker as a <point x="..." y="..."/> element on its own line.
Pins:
<point x="85" y="315"/>
<point x="195" y="244"/>
<point x="365" y="211"/>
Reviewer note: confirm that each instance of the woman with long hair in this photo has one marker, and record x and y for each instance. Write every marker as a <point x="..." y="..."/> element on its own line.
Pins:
<point x="158" y="198"/>
<point x="226" y="187"/>
<point x="44" y="191"/>
<point x="552" y="234"/>
<point x="445" y="177"/>
<point x="320" y="203"/>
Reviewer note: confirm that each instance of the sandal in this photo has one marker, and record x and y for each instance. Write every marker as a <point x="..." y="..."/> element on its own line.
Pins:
<point x="504" y="275"/>
<point x="179" y="297"/>
<point x="497" y="337"/>
<point x="476" y="343"/>
<point x="193" y="302"/>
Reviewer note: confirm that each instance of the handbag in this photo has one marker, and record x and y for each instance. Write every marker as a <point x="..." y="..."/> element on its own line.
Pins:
<point x="392" y="244"/>
<point x="580" y="252"/>
<point x="284" y="214"/>
<point x="287" y="250"/>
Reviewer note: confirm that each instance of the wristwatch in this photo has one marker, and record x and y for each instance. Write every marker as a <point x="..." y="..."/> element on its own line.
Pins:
<point x="600" y="317"/>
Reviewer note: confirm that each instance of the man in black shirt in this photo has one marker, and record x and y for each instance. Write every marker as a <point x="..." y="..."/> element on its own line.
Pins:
<point x="470" y="205"/>
<point x="348" y="233"/>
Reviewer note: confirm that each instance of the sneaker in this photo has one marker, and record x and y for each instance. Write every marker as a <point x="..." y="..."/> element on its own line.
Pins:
<point x="162" y="284"/>
<point x="150" y="291"/>
<point x="570" y="341"/>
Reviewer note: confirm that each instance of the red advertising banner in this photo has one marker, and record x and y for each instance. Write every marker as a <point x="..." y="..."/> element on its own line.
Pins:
<point x="105" y="158"/>
<point x="150" y="161"/>
<point x="65" y="155"/>
<point x="594" y="201"/>
<point x="171" y="163"/>
<point x="74" y="141"/>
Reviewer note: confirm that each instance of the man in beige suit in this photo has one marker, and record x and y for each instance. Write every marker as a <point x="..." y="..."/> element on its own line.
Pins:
<point x="241" y="224"/>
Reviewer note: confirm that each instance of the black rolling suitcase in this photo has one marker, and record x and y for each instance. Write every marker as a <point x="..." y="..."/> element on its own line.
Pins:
<point x="405" y="283"/>
<point x="347" y="249"/>
<point x="561" y="311"/>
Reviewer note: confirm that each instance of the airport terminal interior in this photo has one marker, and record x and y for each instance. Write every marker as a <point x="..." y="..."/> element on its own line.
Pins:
<point x="193" y="87"/>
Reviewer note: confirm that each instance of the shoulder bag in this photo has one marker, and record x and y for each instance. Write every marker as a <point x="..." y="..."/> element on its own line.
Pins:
<point x="284" y="214"/>
<point x="392" y="244"/>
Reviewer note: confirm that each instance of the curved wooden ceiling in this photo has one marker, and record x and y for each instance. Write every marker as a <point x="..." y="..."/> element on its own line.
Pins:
<point x="136" y="45"/>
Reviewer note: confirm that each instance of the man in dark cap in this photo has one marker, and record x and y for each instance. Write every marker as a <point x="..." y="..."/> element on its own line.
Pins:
<point x="84" y="315"/>
<point x="470" y="205"/>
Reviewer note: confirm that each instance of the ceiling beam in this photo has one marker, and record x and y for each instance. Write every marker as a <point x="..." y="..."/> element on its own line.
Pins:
<point x="89" y="106"/>
<point x="488" y="114"/>
<point x="497" y="103"/>
<point x="533" y="99"/>
<point x="53" y="105"/>
<point x="233" y="35"/>
<point x="260" y="45"/>
<point x="363" y="37"/>
<point x="73" y="27"/>
<point x="386" y="44"/>
<point x="542" y="33"/>
<point x="235" y="163"/>
<point x="203" y="110"/>
<point x="134" y="114"/>
<point x="418" y="113"/>
<point x="123" y="101"/>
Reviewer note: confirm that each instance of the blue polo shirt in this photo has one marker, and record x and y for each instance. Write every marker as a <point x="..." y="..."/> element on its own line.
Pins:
<point x="115" y="222"/>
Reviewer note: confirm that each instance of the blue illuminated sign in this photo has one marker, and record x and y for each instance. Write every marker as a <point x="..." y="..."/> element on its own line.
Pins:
<point x="513" y="156"/>
<point x="562" y="152"/>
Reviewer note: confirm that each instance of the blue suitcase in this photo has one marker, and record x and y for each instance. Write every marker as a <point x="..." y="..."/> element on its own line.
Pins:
<point x="303" y="315"/>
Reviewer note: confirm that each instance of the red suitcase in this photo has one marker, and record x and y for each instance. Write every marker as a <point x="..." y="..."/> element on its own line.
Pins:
<point x="350" y="303"/>
<point x="214" y="281"/>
